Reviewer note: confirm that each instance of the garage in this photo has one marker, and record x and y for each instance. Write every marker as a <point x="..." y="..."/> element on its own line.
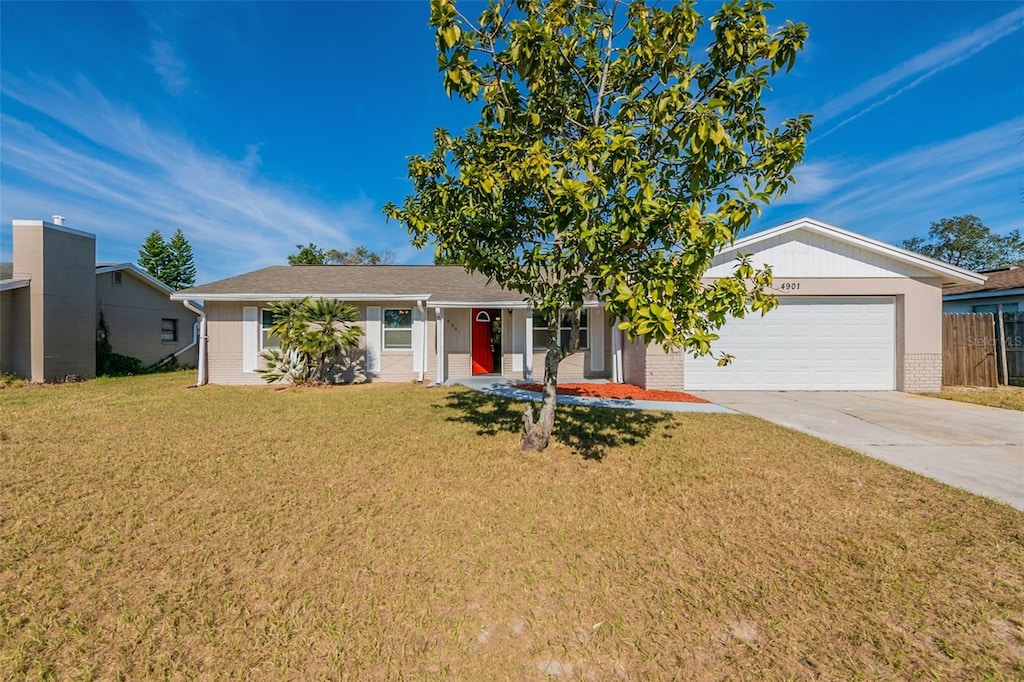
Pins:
<point x="854" y="314"/>
<point x="806" y="344"/>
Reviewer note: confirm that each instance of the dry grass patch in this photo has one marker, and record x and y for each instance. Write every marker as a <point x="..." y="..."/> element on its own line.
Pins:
<point x="1006" y="397"/>
<point x="149" y="530"/>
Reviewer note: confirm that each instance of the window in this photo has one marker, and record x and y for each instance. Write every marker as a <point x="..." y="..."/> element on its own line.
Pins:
<point x="267" y="340"/>
<point x="397" y="328"/>
<point x="169" y="331"/>
<point x="115" y="278"/>
<point x="540" y="334"/>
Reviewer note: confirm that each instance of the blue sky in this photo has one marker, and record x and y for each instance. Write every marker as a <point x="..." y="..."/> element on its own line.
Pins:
<point x="258" y="126"/>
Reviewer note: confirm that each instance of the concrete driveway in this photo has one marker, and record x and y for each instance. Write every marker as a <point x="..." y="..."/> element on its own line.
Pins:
<point x="980" y="449"/>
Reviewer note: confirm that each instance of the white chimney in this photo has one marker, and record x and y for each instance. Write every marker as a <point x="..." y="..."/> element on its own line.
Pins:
<point x="58" y="220"/>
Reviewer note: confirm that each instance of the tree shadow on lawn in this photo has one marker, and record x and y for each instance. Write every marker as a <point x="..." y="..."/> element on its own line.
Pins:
<point x="588" y="430"/>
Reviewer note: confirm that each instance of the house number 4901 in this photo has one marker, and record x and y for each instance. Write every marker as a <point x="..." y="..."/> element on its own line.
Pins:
<point x="789" y="286"/>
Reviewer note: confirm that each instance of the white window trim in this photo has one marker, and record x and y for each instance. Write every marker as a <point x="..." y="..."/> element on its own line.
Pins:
<point x="259" y="342"/>
<point x="250" y="337"/>
<point x="374" y="338"/>
<point x="566" y="328"/>
<point x="384" y="330"/>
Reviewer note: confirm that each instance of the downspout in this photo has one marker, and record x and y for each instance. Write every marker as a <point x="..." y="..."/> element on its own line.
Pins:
<point x="190" y="346"/>
<point x="201" y="378"/>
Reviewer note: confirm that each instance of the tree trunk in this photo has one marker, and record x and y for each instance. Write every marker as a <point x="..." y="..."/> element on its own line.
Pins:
<point x="537" y="434"/>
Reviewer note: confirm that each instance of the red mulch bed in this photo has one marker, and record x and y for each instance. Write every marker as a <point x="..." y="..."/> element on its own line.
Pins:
<point x="620" y="391"/>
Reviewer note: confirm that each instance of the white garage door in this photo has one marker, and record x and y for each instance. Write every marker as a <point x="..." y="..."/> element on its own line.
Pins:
<point x="806" y="344"/>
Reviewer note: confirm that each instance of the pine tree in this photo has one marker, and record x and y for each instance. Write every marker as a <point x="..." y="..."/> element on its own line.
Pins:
<point x="155" y="255"/>
<point x="181" y="272"/>
<point x="171" y="262"/>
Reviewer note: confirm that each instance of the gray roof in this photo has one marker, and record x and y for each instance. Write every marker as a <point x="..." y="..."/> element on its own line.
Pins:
<point x="441" y="283"/>
<point x="1001" y="279"/>
<point x="6" y="270"/>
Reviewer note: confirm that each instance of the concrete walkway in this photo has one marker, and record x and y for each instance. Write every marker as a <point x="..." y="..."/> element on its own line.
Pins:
<point x="496" y="385"/>
<point x="980" y="449"/>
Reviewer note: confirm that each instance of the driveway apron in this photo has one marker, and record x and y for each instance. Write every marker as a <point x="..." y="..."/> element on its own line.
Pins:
<point x="980" y="449"/>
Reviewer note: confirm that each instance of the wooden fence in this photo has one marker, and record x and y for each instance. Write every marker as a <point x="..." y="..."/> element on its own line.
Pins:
<point x="969" y="349"/>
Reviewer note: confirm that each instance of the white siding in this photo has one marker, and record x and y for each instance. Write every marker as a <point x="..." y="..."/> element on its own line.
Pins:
<point x="806" y="254"/>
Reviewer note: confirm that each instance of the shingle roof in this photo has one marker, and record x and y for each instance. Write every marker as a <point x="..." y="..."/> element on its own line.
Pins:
<point x="442" y="283"/>
<point x="6" y="270"/>
<point x="998" y="280"/>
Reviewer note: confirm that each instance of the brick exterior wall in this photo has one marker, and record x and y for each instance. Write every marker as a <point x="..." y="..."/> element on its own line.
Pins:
<point x="922" y="373"/>
<point x="664" y="371"/>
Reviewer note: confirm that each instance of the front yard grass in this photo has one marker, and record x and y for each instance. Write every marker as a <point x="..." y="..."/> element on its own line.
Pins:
<point x="1006" y="397"/>
<point x="393" y="531"/>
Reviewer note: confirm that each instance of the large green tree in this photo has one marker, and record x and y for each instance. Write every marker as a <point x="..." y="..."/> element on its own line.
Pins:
<point x="171" y="261"/>
<point x="311" y="254"/>
<point x="966" y="242"/>
<point x="613" y="158"/>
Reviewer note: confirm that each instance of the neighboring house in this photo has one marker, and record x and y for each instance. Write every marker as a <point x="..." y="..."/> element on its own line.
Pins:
<point x="51" y="297"/>
<point x="1004" y="287"/>
<point x="855" y="314"/>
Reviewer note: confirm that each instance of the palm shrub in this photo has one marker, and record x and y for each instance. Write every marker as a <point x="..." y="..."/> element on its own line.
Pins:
<point x="313" y="333"/>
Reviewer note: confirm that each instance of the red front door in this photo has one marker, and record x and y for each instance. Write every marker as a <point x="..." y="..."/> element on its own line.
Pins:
<point x="483" y="356"/>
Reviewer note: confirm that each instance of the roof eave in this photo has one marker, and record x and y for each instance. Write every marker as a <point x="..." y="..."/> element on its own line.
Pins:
<point x="200" y="296"/>
<point x="984" y="293"/>
<point x="138" y="272"/>
<point x="11" y="284"/>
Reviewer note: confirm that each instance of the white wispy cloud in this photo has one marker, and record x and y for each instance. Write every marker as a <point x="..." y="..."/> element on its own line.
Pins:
<point x="169" y="65"/>
<point x="120" y="176"/>
<point x="815" y="180"/>
<point x="887" y="86"/>
<point x="892" y="199"/>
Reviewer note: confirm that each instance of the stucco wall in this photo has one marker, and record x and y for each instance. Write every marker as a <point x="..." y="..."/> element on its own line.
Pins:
<point x="134" y="312"/>
<point x="61" y="264"/>
<point x="457" y="330"/>
<point x="224" y="325"/>
<point x="18" y="360"/>
<point x="224" y="328"/>
<point x="6" y="331"/>
<point x="224" y="344"/>
<point x="15" y="346"/>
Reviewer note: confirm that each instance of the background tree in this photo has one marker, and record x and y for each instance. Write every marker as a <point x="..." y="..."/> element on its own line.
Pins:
<point x="312" y="334"/>
<point x="360" y="255"/>
<point x="966" y="242"/>
<point x="311" y="254"/>
<point x="171" y="262"/>
<point x="155" y="255"/>
<point x="181" y="267"/>
<point x="447" y="258"/>
<point x="613" y="158"/>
